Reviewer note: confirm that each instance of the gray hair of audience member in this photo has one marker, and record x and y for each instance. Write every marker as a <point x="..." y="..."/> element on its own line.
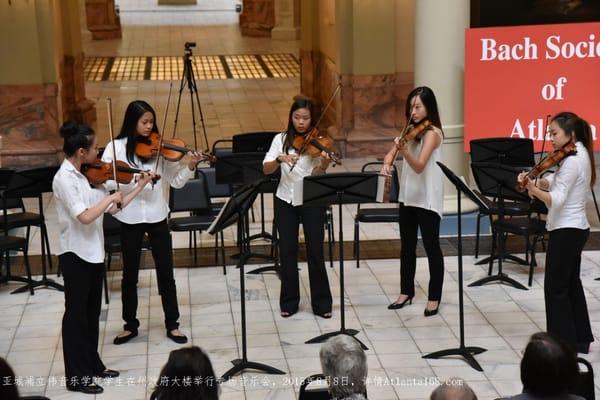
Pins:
<point x="453" y="389"/>
<point x="344" y="364"/>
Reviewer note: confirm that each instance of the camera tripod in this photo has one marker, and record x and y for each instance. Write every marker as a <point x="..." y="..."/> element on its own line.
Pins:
<point x="188" y="79"/>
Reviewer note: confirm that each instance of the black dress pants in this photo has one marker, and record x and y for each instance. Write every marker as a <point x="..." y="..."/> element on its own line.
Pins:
<point x="132" y="236"/>
<point x="411" y="219"/>
<point x="288" y="223"/>
<point x="80" y="326"/>
<point x="566" y="309"/>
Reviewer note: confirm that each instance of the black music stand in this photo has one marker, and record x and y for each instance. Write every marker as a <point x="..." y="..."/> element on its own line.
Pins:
<point x="339" y="188"/>
<point x="463" y="351"/>
<point x="516" y="152"/>
<point x="501" y="180"/>
<point x="34" y="183"/>
<point x="245" y="168"/>
<point x="256" y="142"/>
<point x="236" y="210"/>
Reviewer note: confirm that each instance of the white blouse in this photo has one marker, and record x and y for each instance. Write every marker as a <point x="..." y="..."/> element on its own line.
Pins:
<point x="74" y="195"/>
<point x="424" y="190"/>
<point x="569" y="188"/>
<point x="151" y="205"/>
<point x="304" y="167"/>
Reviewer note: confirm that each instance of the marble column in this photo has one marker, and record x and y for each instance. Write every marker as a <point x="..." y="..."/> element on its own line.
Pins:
<point x="74" y="103"/>
<point x="257" y="18"/>
<point x="102" y="20"/>
<point x="439" y="64"/>
<point x="285" y="28"/>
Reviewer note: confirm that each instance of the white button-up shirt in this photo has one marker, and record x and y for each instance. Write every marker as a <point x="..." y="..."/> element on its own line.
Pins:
<point x="304" y="167"/>
<point x="151" y="205"/>
<point x="74" y="195"/>
<point x="569" y="188"/>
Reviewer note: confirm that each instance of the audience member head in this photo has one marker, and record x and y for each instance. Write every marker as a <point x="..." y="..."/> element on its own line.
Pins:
<point x="344" y="364"/>
<point x="453" y="389"/>
<point x="8" y="386"/>
<point x="188" y="374"/>
<point x="549" y="367"/>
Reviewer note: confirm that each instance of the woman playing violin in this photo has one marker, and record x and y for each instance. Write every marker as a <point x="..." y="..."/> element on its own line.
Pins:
<point x="421" y="198"/>
<point x="80" y="208"/>
<point x="565" y="193"/>
<point x="148" y="215"/>
<point x="282" y="155"/>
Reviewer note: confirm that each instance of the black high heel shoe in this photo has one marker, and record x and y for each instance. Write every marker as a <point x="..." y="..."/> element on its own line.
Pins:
<point x="396" y="306"/>
<point x="430" y="313"/>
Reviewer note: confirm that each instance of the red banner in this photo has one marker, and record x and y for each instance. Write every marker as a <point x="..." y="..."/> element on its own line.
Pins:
<point x="516" y="76"/>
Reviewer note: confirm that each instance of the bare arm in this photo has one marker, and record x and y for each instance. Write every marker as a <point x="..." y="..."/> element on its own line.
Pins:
<point x="432" y="139"/>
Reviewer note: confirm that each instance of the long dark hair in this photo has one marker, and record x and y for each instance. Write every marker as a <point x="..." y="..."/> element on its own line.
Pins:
<point x="571" y="123"/>
<point x="188" y="364"/>
<point x="549" y="367"/>
<point x="76" y="136"/>
<point x="291" y="131"/>
<point x="428" y="99"/>
<point x="133" y="113"/>
<point x="8" y="384"/>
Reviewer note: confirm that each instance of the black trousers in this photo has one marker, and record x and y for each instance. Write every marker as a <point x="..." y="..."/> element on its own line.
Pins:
<point x="131" y="244"/>
<point x="288" y="222"/>
<point x="566" y="309"/>
<point x="83" y="300"/>
<point x="411" y="219"/>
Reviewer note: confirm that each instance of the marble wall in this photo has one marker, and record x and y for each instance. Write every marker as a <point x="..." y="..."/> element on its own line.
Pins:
<point x="29" y="125"/>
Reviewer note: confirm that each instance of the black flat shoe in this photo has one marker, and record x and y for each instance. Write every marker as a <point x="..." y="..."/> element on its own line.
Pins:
<point x="181" y="339"/>
<point x="429" y="313"/>
<point x="126" y="338"/>
<point x="287" y="314"/>
<point x="108" y="373"/>
<point x="396" y="306"/>
<point x="91" y="388"/>
<point x="325" y="315"/>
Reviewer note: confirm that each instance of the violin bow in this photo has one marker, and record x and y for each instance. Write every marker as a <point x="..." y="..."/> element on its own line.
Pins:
<point x="545" y="130"/>
<point x="112" y="141"/>
<point x="160" y="142"/>
<point x="306" y="143"/>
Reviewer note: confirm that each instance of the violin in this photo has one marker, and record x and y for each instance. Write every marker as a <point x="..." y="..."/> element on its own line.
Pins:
<point x="99" y="172"/>
<point x="550" y="161"/>
<point x="171" y="149"/>
<point x="313" y="143"/>
<point x="412" y="133"/>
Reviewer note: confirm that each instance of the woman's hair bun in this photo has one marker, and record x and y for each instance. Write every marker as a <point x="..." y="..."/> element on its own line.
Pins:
<point x="72" y="128"/>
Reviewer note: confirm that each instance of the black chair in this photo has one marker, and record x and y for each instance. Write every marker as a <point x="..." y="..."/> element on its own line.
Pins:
<point x="19" y="217"/>
<point x="193" y="198"/>
<point x="528" y="226"/>
<point x="319" y="393"/>
<point x="515" y="152"/>
<point x="15" y="243"/>
<point x="372" y="214"/>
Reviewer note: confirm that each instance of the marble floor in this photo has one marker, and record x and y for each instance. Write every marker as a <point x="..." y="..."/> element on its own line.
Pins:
<point x="498" y="318"/>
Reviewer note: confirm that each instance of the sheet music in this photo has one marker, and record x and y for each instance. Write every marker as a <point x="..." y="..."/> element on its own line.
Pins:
<point x="482" y="201"/>
<point x="218" y="218"/>
<point x="381" y="188"/>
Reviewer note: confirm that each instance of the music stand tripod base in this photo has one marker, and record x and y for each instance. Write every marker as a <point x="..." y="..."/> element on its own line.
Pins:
<point x="340" y="188"/>
<point x="466" y="352"/>
<point x="500" y="277"/>
<point x="235" y="211"/>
